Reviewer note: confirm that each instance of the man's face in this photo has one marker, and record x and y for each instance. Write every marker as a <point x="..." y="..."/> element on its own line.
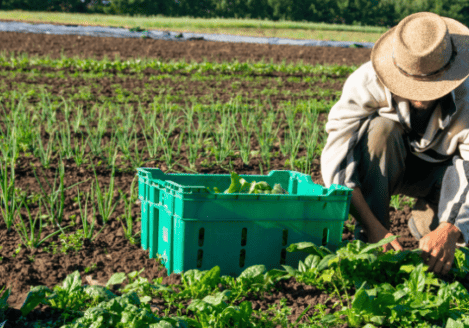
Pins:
<point x="423" y="105"/>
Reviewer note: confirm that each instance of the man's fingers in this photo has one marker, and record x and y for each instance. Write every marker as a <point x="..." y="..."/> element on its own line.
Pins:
<point x="397" y="246"/>
<point x="442" y="267"/>
<point x="387" y="247"/>
<point x="432" y="262"/>
<point x="394" y="245"/>
<point x="439" y="264"/>
<point x="446" y="268"/>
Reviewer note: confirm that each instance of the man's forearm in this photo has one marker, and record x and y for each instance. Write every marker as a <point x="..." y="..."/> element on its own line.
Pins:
<point x="361" y="211"/>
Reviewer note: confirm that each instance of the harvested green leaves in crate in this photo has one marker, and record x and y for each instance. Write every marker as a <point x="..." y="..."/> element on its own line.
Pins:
<point x="240" y="185"/>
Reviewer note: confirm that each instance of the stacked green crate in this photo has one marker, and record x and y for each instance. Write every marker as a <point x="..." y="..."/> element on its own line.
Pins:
<point x="192" y="228"/>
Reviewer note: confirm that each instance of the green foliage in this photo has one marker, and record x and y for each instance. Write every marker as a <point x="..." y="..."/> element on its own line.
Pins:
<point x="399" y="202"/>
<point x="352" y="12"/>
<point x="393" y="288"/>
<point x="3" y="302"/>
<point x="138" y="65"/>
<point x="198" y="283"/>
<point x="239" y="185"/>
<point x="138" y="7"/>
<point x="48" y="5"/>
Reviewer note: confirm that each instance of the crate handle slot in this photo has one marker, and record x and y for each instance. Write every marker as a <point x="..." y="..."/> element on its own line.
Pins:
<point x="200" y="255"/>
<point x="283" y="256"/>
<point x="201" y="237"/>
<point x="242" y="258"/>
<point x="285" y="237"/>
<point x="244" y="236"/>
<point x="325" y="236"/>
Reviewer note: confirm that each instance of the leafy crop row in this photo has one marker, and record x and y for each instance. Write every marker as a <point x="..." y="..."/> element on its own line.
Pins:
<point x="392" y="289"/>
<point x="138" y="65"/>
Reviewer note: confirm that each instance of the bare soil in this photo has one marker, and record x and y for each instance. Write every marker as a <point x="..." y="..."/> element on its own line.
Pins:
<point x="111" y="251"/>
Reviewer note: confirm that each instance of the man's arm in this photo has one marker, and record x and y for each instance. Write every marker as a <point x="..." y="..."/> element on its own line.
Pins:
<point x="374" y="229"/>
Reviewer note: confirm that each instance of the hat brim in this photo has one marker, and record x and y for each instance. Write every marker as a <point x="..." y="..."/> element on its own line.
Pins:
<point x="408" y="88"/>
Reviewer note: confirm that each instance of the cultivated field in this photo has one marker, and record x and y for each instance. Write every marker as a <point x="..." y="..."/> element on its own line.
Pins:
<point x="80" y="114"/>
<point x="246" y="27"/>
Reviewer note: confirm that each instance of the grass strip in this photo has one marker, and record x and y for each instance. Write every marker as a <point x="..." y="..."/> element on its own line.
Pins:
<point x="247" y="27"/>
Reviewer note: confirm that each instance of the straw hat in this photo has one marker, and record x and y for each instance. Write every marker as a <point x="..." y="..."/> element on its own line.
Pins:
<point x="424" y="57"/>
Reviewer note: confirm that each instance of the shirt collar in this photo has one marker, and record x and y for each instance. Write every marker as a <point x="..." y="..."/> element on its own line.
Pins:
<point x="448" y="108"/>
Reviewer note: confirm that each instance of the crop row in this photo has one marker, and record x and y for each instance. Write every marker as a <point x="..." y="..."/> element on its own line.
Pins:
<point x="138" y="65"/>
<point x="392" y="289"/>
<point x="219" y="131"/>
<point x="197" y="94"/>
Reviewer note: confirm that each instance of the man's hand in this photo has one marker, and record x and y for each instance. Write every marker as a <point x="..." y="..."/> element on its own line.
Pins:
<point x="374" y="229"/>
<point x="378" y="233"/>
<point x="438" y="248"/>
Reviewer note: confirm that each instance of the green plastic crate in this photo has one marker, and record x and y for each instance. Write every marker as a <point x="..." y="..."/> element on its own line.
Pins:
<point x="193" y="229"/>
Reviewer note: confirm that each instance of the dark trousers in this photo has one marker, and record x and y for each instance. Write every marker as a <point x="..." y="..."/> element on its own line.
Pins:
<point x="387" y="167"/>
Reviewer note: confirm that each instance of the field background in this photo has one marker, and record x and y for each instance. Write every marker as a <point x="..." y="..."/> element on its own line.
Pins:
<point x="245" y="27"/>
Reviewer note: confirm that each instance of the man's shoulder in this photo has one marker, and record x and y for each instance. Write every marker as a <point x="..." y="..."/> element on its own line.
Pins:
<point x="365" y="78"/>
<point x="368" y="66"/>
<point x="365" y="74"/>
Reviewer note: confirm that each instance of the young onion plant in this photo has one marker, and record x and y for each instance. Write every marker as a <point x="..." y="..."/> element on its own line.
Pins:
<point x="312" y="129"/>
<point x="65" y="137"/>
<point x="162" y="134"/>
<point x="152" y="141"/>
<point x="292" y="138"/>
<point x="54" y="201"/>
<point x="88" y="230"/>
<point x="21" y="121"/>
<point x="224" y="136"/>
<point x="194" y="139"/>
<point x="9" y="201"/>
<point x="79" y="148"/>
<point x="48" y="113"/>
<point x="136" y="160"/>
<point x="111" y="147"/>
<point x="96" y="134"/>
<point x="78" y="119"/>
<point x="104" y="197"/>
<point x="243" y="139"/>
<point x="128" y="211"/>
<point x="44" y="153"/>
<point x="32" y="240"/>
<point x="266" y="135"/>
<point x="126" y="132"/>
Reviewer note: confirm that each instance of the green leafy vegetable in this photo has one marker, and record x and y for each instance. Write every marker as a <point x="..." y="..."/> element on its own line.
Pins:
<point x="241" y="186"/>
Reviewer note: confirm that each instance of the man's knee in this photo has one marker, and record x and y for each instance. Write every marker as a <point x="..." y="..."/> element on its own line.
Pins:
<point x="384" y="135"/>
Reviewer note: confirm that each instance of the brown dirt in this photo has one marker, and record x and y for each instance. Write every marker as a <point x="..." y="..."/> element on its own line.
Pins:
<point x="93" y="47"/>
<point x="111" y="251"/>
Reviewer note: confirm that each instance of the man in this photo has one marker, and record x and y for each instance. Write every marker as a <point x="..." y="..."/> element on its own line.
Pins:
<point x="401" y="126"/>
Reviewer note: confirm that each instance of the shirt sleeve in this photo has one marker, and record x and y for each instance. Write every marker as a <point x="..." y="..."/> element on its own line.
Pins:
<point x="454" y="201"/>
<point x="464" y="148"/>
<point x="346" y="124"/>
